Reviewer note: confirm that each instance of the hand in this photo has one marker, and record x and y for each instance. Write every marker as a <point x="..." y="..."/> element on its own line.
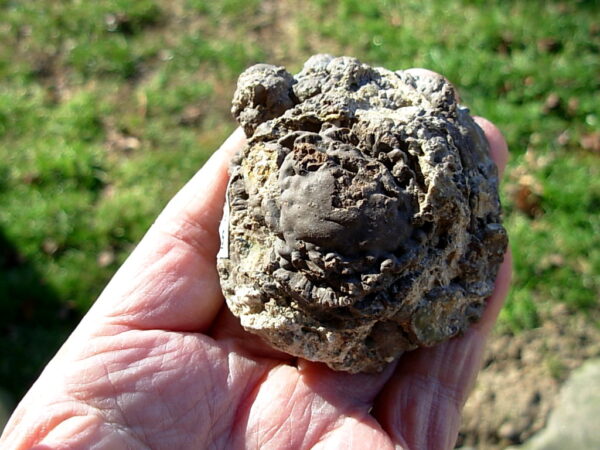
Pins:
<point x="159" y="362"/>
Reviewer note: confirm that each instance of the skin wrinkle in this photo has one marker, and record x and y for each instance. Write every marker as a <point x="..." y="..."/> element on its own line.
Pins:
<point x="340" y="415"/>
<point x="87" y="389"/>
<point x="325" y="405"/>
<point x="115" y="414"/>
<point x="352" y="424"/>
<point x="185" y="415"/>
<point x="197" y="405"/>
<point x="213" y="417"/>
<point x="245" y="400"/>
<point x="327" y="431"/>
<point x="292" y="424"/>
<point x="168" y="286"/>
<point x="439" y="396"/>
<point x="100" y="351"/>
<point x="130" y="307"/>
<point x="168" y="289"/>
<point x="124" y="367"/>
<point x="319" y="407"/>
<point x="199" y="240"/>
<point x="120" y="429"/>
<point x="315" y="408"/>
<point x="50" y="421"/>
<point x="315" y="427"/>
<point x="128" y="433"/>
<point x="235" y="409"/>
<point x="160" y="390"/>
<point x="108" y="375"/>
<point x="81" y="411"/>
<point x="253" y="417"/>
<point x="258" y="432"/>
<point x="247" y="391"/>
<point x="79" y="427"/>
<point x="137" y="389"/>
<point x="241" y="421"/>
<point x="309" y="415"/>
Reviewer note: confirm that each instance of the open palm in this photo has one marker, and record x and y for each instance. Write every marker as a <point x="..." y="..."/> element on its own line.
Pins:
<point x="158" y="362"/>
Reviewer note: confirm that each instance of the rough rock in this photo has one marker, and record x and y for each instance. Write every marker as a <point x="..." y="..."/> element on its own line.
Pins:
<point x="362" y="218"/>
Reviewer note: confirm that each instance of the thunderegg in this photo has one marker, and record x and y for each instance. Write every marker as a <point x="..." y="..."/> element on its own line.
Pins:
<point x="362" y="217"/>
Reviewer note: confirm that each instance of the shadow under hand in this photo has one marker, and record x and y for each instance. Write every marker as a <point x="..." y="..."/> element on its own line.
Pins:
<point x="33" y="322"/>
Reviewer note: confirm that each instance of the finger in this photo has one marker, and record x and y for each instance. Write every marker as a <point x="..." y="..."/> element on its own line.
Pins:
<point x="421" y="405"/>
<point x="498" y="146"/>
<point x="170" y="280"/>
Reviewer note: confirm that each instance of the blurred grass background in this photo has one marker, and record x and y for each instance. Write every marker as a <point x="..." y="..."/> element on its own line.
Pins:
<point x="108" y="107"/>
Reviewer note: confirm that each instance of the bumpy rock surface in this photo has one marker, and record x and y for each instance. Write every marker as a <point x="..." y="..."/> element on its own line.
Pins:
<point x="362" y="218"/>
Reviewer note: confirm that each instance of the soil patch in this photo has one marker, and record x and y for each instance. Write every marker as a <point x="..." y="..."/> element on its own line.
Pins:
<point x="522" y="374"/>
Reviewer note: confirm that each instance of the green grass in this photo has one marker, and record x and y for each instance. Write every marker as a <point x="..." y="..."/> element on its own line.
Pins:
<point x="108" y="107"/>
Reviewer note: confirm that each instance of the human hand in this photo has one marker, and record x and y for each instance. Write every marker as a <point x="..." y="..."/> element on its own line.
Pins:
<point x="159" y="362"/>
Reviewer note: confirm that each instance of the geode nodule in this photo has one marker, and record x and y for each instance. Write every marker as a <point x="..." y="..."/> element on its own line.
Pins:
<point x="362" y="217"/>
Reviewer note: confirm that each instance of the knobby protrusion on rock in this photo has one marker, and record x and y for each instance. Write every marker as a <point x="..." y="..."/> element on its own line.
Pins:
<point x="362" y="216"/>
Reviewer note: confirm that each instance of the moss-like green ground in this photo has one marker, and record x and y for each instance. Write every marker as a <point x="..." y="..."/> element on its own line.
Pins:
<point x="108" y="107"/>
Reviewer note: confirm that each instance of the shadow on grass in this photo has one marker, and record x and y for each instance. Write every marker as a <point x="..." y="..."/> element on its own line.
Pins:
<point x="33" y="322"/>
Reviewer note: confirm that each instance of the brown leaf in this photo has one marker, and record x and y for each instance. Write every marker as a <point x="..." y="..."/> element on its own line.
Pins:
<point x="551" y="260"/>
<point x="505" y="46"/>
<point x="548" y="45"/>
<point x="507" y="86"/>
<point x="49" y="246"/>
<point x="106" y="257"/>
<point x="573" y="105"/>
<point x="591" y="142"/>
<point x="120" y="142"/>
<point x="191" y="115"/>
<point x="118" y="22"/>
<point x="528" y="202"/>
<point x="563" y="138"/>
<point x="30" y="178"/>
<point x="552" y="103"/>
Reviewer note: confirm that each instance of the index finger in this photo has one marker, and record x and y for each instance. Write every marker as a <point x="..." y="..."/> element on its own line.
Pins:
<point x="170" y="280"/>
<point x="498" y="146"/>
